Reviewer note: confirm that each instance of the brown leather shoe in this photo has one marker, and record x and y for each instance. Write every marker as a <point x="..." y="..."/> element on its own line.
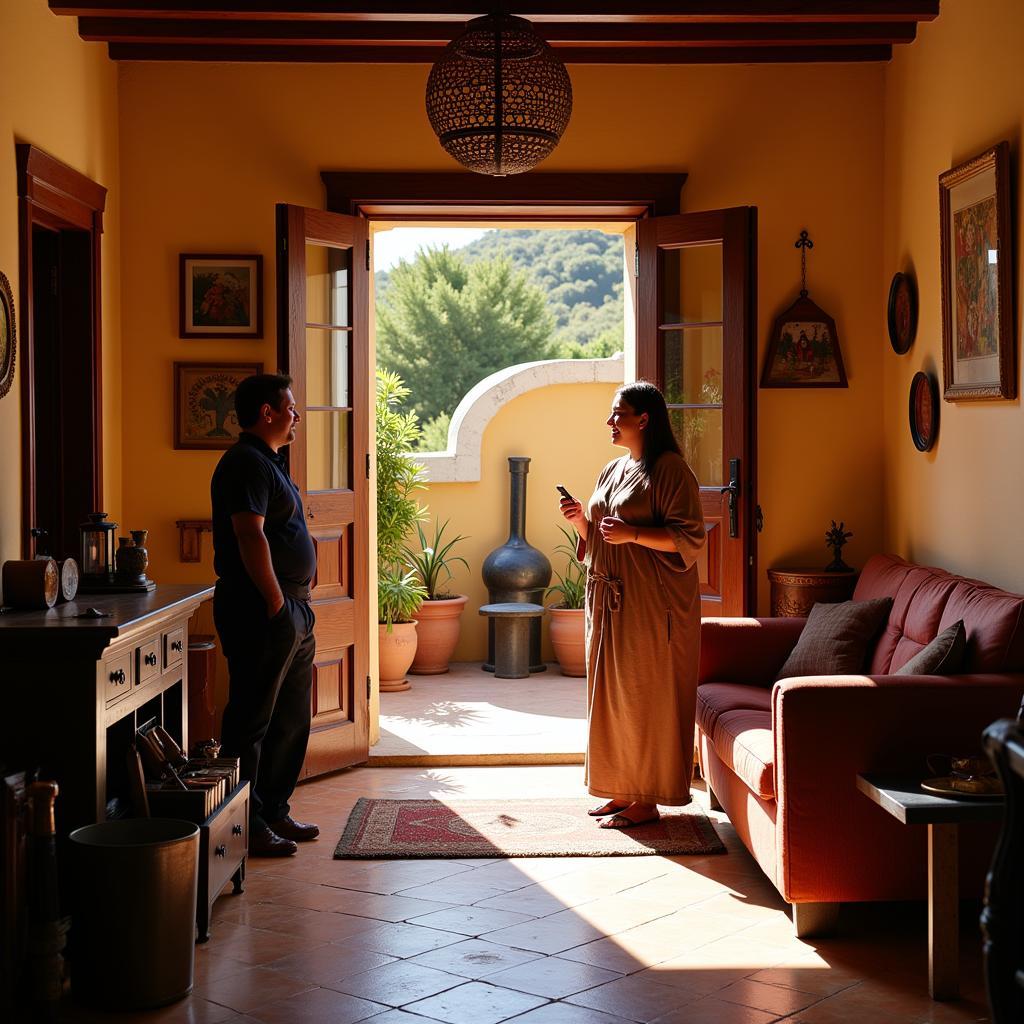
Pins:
<point x="298" y="831"/>
<point x="264" y="842"/>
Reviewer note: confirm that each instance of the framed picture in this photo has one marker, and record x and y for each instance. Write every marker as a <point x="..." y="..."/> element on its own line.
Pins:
<point x="804" y="350"/>
<point x="979" y="347"/>
<point x="8" y="337"/>
<point x="901" y="314"/>
<point x="204" y="403"/>
<point x="220" y="296"/>
<point x="924" y="411"/>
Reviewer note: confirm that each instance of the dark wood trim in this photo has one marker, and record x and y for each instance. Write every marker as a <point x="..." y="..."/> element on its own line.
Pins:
<point x="533" y="195"/>
<point x="538" y="10"/>
<point x="57" y="196"/>
<point x="569" y="55"/>
<point x="563" y="36"/>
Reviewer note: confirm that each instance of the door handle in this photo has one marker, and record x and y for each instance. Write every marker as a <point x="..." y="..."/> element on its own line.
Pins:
<point x="733" y="490"/>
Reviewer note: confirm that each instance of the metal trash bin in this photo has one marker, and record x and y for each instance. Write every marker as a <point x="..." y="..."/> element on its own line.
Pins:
<point x="133" y="912"/>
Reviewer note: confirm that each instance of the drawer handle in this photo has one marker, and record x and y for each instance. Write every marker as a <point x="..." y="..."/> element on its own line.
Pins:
<point x="117" y="678"/>
<point x="221" y="851"/>
<point x="176" y="645"/>
<point x="236" y="830"/>
<point x="150" y="659"/>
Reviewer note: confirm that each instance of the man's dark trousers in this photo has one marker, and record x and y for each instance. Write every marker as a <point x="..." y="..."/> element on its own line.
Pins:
<point x="266" y="721"/>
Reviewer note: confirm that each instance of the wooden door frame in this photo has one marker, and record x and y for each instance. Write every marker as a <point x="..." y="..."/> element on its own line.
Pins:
<point x="55" y="196"/>
<point x="561" y="197"/>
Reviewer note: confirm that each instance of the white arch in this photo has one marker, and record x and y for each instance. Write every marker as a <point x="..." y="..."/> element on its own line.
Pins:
<point x="460" y="463"/>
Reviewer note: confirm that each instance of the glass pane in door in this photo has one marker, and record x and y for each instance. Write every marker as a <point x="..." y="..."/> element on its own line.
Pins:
<point x="693" y="366"/>
<point x="328" y="273"/>
<point x="690" y="284"/>
<point x="327" y="450"/>
<point x="327" y="354"/>
<point x="699" y="433"/>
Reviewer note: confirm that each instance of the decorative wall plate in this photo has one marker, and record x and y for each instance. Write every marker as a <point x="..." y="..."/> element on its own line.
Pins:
<point x="924" y="411"/>
<point x="8" y="335"/>
<point x="902" y="313"/>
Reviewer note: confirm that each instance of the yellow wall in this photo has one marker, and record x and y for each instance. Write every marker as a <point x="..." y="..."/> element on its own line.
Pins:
<point x="59" y="94"/>
<point x="562" y="429"/>
<point x="208" y="149"/>
<point x="958" y="90"/>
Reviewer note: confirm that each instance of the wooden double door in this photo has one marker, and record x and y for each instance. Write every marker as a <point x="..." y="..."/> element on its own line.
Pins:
<point x="694" y="311"/>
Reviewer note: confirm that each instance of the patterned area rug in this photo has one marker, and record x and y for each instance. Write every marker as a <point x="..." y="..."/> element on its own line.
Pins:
<point x="514" y="828"/>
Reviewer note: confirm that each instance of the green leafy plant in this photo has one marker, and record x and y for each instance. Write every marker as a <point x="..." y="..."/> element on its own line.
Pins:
<point x="572" y="585"/>
<point x="399" y="596"/>
<point x="398" y="478"/>
<point x="433" y="559"/>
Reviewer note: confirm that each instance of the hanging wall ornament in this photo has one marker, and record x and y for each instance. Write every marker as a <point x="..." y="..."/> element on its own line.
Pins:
<point x="803" y="351"/>
<point x="499" y="98"/>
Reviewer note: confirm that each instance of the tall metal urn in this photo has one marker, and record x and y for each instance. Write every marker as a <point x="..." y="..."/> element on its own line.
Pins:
<point x="517" y="572"/>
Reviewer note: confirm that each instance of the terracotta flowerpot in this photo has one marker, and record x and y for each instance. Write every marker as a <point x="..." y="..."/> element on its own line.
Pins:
<point x="439" y="625"/>
<point x="397" y="649"/>
<point x="567" y="638"/>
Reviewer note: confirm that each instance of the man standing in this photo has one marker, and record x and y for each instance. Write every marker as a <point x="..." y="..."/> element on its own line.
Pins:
<point x="265" y="561"/>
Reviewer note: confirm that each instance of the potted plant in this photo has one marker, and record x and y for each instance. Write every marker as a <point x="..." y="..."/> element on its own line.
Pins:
<point x="567" y="616"/>
<point x="399" y="593"/>
<point x="439" y="616"/>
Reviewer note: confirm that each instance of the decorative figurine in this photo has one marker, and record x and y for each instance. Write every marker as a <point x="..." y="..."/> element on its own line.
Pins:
<point x="835" y="539"/>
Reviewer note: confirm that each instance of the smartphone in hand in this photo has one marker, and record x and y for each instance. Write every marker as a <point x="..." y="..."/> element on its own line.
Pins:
<point x="564" y="493"/>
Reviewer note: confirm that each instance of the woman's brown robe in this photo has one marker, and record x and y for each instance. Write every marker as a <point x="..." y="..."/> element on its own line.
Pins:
<point x="643" y="634"/>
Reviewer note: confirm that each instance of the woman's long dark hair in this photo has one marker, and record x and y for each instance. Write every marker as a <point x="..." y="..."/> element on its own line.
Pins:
<point x="643" y="397"/>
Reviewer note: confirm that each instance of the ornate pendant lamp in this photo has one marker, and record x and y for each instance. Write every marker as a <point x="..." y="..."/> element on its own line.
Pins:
<point x="498" y="98"/>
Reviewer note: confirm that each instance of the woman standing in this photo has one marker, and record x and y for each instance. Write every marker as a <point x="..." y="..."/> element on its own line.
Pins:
<point x="640" y="537"/>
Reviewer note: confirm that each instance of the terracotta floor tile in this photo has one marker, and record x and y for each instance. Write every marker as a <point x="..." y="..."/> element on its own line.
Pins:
<point x="476" y="1003"/>
<point x="398" y="983"/>
<point x="401" y="940"/>
<point x="256" y="946"/>
<point x="210" y="967"/>
<point x="634" y="998"/>
<point x="387" y="908"/>
<point x="567" y="1013"/>
<point x="771" y="998"/>
<point x="552" y="977"/>
<point x="397" y="1017"/>
<point x="455" y="890"/>
<point x="552" y="934"/>
<point x="534" y="900"/>
<point x="714" y="1011"/>
<point x="317" y="1006"/>
<point x="471" y="920"/>
<point x="191" y="1010"/>
<point x="328" y="965"/>
<point x="474" y="958"/>
<point x="245" y="992"/>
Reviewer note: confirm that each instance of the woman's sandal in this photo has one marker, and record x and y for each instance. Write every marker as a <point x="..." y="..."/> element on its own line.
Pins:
<point x="620" y="821"/>
<point x="611" y="807"/>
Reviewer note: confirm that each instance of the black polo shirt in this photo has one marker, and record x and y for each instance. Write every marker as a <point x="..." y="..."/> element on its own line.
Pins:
<point x="250" y="477"/>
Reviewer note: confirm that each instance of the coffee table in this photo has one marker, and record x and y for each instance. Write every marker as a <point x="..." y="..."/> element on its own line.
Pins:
<point x="904" y="799"/>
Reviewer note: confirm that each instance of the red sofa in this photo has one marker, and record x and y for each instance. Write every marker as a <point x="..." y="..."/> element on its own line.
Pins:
<point x="782" y="757"/>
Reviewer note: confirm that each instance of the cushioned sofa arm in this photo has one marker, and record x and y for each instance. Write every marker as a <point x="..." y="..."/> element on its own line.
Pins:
<point x="829" y="729"/>
<point x="747" y="651"/>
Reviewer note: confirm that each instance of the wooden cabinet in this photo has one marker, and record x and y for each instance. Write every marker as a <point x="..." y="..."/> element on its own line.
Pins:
<point x="75" y="688"/>
<point x="796" y="591"/>
<point x="223" y="846"/>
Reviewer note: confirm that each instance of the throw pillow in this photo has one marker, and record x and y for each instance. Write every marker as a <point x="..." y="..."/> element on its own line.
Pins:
<point x="836" y="638"/>
<point x="944" y="656"/>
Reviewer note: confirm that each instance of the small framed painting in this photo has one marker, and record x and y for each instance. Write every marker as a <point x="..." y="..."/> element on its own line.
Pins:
<point x="979" y="347"/>
<point x="220" y="296"/>
<point x="804" y="350"/>
<point x="204" y="404"/>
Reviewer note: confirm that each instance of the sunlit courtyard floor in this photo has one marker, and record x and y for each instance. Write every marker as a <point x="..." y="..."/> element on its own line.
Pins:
<point x="674" y="940"/>
<point x="467" y="716"/>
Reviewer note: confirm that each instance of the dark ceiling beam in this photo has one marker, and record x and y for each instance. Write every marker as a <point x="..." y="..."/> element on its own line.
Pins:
<point x="238" y="32"/>
<point x="570" y="55"/>
<point x="535" y="10"/>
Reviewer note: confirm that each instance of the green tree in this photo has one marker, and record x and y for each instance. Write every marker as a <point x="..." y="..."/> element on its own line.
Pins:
<point x="444" y="324"/>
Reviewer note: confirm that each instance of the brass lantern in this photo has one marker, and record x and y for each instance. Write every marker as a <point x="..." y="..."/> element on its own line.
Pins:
<point x="499" y="98"/>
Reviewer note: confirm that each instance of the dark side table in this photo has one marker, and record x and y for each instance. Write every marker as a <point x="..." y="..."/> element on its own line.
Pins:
<point x="795" y="592"/>
<point x="907" y="802"/>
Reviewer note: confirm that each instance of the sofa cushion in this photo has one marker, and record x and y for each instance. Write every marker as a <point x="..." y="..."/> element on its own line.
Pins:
<point x="714" y="699"/>
<point x="944" y="656"/>
<point x="926" y="601"/>
<point x="837" y="639"/>
<point x="743" y="742"/>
